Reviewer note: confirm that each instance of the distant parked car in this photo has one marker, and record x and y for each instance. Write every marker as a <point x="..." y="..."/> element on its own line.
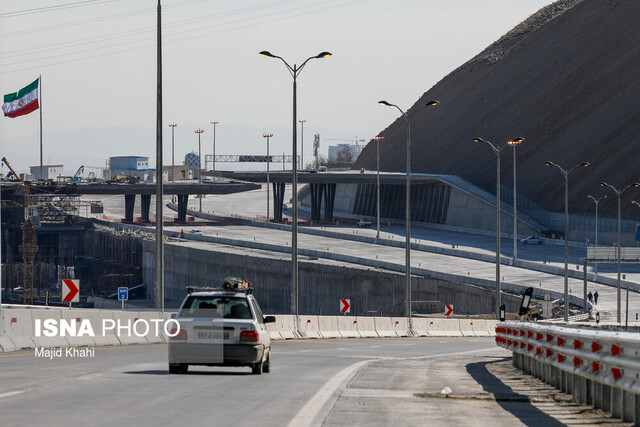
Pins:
<point x="532" y="240"/>
<point x="364" y="223"/>
<point x="196" y="231"/>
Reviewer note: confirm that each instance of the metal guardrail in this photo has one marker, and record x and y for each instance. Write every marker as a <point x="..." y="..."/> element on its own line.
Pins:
<point x="608" y="357"/>
<point x="610" y="253"/>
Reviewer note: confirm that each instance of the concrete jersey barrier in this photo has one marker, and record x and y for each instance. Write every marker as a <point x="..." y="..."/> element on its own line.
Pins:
<point x="348" y="326"/>
<point x="328" y="327"/>
<point x="366" y="327"/>
<point x="309" y="327"/>
<point x="17" y="329"/>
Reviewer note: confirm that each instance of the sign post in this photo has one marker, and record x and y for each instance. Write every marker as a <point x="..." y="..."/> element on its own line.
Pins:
<point x="345" y="306"/>
<point x="123" y="295"/>
<point x="70" y="290"/>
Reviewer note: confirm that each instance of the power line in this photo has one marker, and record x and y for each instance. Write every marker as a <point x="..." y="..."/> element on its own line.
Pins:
<point x="53" y="8"/>
<point x="123" y="34"/>
<point x="181" y="39"/>
<point x="98" y="19"/>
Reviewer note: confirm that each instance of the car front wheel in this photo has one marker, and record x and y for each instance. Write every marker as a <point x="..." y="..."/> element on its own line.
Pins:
<point x="266" y="368"/>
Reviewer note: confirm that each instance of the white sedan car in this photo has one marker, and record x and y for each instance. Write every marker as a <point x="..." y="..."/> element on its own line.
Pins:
<point x="222" y="327"/>
<point x="532" y="240"/>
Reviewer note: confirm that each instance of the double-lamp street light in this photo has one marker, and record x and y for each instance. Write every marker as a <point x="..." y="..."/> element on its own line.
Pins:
<point x="377" y="139"/>
<point x="565" y="173"/>
<point x="295" y="71"/>
<point x="497" y="150"/>
<point x="267" y="136"/>
<point x="407" y="216"/>
<point x="619" y="248"/>
<point x="214" y="123"/>
<point x="199" y="132"/>
<point x="173" y="162"/>
<point x="596" y="201"/>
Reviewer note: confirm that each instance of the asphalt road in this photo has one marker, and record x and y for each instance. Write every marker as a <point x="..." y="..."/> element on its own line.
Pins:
<point x="131" y="385"/>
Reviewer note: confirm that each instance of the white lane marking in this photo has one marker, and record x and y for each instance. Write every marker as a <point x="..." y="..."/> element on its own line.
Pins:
<point x="308" y="413"/>
<point x="11" y="393"/>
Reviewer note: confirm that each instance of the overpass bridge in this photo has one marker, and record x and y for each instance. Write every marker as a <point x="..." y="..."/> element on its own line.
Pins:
<point x="181" y="189"/>
<point x="435" y="198"/>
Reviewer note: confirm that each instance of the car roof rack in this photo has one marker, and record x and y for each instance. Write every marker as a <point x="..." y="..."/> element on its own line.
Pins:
<point x="235" y="284"/>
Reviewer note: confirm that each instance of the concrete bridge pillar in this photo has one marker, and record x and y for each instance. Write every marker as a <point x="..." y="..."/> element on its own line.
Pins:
<point x="317" y="191"/>
<point x="329" y="199"/>
<point x="278" y="200"/>
<point x="145" y="204"/>
<point x="183" y="199"/>
<point x="129" y="203"/>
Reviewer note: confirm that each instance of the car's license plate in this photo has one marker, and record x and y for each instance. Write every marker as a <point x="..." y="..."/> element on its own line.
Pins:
<point x="211" y="335"/>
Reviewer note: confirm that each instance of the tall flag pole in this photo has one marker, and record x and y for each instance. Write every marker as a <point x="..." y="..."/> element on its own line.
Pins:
<point x="159" y="288"/>
<point x="40" y="101"/>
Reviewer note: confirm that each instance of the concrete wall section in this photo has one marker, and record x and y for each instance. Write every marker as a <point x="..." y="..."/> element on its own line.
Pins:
<point x="470" y="212"/>
<point x="321" y="284"/>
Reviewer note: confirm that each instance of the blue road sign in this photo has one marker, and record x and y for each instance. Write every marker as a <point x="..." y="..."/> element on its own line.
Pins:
<point x="123" y="294"/>
<point x="638" y="232"/>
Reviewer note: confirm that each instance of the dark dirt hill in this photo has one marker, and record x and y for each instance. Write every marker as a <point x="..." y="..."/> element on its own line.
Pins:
<point x="567" y="79"/>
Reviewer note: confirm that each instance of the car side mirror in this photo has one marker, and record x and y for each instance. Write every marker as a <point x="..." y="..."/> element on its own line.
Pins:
<point x="269" y="319"/>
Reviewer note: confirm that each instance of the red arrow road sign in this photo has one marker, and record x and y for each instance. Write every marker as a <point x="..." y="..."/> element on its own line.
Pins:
<point x="345" y="306"/>
<point x="448" y="309"/>
<point x="70" y="290"/>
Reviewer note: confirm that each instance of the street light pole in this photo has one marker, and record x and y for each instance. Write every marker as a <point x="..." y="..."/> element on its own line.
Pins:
<point x="596" y="201"/>
<point x="619" y="249"/>
<point x="377" y="139"/>
<point x="566" y="173"/>
<point x="267" y="135"/>
<point x="496" y="150"/>
<point x="302" y="144"/>
<point x="214" y="123"/>
<point x="199" y="131"/>
<point x="173" y="160"/>
<point x="295" y="71"/>
<point x="514" y="143"/>
<point x="407" y="212"/>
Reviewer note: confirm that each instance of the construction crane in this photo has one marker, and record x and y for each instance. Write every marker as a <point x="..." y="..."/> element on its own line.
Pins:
<point x="15" y="174"/>
<point x="78" y="176"/>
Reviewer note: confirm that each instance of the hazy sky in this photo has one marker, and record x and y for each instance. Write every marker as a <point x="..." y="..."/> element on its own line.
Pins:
<point x="98" y="65"/>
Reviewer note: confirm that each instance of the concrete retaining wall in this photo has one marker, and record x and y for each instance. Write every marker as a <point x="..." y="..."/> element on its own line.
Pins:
<point x="321" y="284"/>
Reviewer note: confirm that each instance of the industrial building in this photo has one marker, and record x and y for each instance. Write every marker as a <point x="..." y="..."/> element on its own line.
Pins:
<point x="48" y="171"/>
<point x="131" y="166"/>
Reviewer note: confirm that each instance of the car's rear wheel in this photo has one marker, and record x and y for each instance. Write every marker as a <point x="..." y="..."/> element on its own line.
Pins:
<point x="257" y="368"/>
<point x="178" y="368"/>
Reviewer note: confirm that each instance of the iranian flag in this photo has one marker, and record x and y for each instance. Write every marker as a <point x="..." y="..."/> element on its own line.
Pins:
<point x="21" y="102"/>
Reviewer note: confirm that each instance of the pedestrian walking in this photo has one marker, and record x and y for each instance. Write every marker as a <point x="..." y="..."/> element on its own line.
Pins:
<point x="590" y="296"/>
<point x="595" y="297"/>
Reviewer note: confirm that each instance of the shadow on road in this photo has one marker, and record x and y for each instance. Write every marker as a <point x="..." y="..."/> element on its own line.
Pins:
<point x="515" y="403"/>
<point x="190" y="372"/>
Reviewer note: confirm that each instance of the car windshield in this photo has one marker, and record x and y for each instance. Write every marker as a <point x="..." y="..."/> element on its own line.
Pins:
<point x="216" y="307"/>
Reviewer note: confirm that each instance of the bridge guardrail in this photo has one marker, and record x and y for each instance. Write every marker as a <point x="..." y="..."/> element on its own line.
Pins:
<point x="598" y="367"/>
